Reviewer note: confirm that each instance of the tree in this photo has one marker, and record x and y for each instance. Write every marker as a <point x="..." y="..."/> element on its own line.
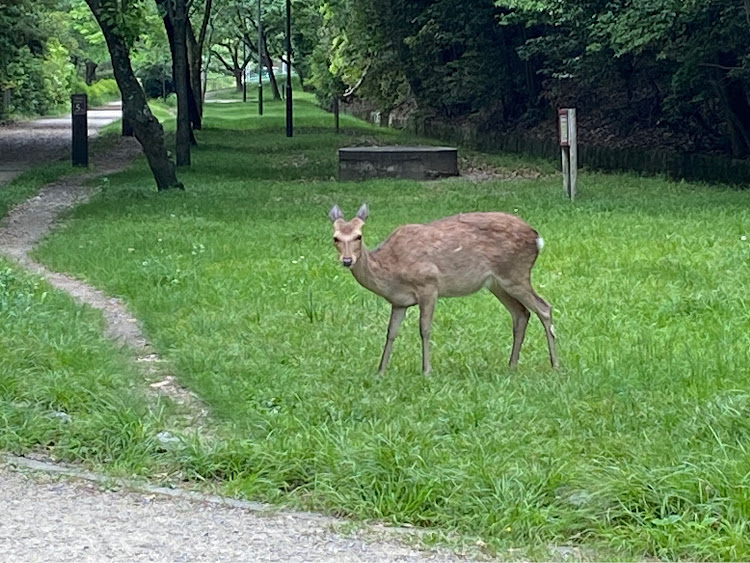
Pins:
<point x="119" y="27"/>
<point x="234" y="42"/>
<point x="174" y="13"/>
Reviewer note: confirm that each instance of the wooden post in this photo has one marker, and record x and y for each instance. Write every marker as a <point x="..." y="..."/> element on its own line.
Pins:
<point x="336" y="112"/>
<point x="573" y="132"/>
<point x="568" y="137"/>
<point x="79" y="116"/>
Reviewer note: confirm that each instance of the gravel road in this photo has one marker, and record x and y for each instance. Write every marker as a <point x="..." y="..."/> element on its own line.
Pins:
<point x="43" y="518"/>
<point x="29" y="143"/>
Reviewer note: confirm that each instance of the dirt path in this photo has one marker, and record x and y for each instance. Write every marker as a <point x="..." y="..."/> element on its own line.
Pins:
<point x="45" y="519"/>
<point x="28" y="143"/>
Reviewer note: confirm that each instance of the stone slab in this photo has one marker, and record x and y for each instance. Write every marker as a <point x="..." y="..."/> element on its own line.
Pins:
<point x="409" y="162"/>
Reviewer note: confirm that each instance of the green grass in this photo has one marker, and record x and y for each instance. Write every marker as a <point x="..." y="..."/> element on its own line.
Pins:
<point x="636" y="448"/>
<point x="64" y="388"/>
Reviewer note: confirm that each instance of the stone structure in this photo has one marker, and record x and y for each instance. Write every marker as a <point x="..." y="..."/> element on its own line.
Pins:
<point x="414" y="163"/>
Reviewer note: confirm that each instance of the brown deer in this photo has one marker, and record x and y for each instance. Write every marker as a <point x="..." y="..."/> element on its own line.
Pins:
<point x="450" y="257"/>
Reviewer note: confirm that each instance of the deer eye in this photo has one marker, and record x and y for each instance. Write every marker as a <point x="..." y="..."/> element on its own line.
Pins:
<point x="358" y="237"/>
<point x="336" y="239"/>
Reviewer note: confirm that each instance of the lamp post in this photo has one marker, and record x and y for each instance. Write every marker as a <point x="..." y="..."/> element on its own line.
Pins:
<point x="289" y="131"/>
<point x="244" y="69"/>
<point x="260" y="62"/>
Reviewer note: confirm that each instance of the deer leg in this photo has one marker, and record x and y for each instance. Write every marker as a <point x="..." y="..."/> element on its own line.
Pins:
<point x="426" y="308"/>
<point x="397" y="315"/>
<point x="528" y="297"/>
<point x="520" y="316"/>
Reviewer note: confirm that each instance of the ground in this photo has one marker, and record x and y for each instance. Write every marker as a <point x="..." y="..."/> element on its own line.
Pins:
<point x="63" y="518"/>
<point x="45" y="518"/>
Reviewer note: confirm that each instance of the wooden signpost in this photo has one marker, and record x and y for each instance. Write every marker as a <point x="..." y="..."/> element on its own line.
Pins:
<point x="568" y="136"/>
<point x="79" y="116"/>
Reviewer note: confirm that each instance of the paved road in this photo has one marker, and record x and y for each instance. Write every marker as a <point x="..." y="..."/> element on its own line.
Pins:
<point x="29" y="143"/>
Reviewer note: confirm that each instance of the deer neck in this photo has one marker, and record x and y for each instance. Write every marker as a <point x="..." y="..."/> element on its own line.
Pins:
<point x="368" y="273"/>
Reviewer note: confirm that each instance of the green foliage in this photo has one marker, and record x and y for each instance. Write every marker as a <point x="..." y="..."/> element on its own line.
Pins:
<point x="454" y="61"/>
<point x="100" y="92"/>
<point x="679" y="63"/>
<point x="34" y="58"/>
<point x="635" y="449"/>
<point x="156" y="80"/>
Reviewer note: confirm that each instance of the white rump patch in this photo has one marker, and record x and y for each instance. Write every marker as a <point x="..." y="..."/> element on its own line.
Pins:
<point x="539" y="243"/>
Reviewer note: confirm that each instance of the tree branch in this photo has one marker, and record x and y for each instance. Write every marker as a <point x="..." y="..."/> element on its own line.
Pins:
<point x="722" y="67"/>
<point x="222" y="61"/>
<point x="204" y="26"/>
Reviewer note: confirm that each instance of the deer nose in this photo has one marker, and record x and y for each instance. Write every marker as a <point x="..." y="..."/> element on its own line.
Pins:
<point x="346" y="262"/>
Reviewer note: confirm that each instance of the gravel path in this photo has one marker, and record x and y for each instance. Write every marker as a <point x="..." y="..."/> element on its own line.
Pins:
<point x="45" y="519"/>
<point x="27" y="143"/>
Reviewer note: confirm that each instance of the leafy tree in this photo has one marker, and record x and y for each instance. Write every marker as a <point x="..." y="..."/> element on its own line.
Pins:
<point x="35" y="62"/>
<point x="120" y="26"/>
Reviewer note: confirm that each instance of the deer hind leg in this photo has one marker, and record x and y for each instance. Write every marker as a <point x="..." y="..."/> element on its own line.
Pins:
<point x="520" y="315"/>
<point x="524" y="293"/>
<point x="397" y="315"/>
<point x="426" y="309"/>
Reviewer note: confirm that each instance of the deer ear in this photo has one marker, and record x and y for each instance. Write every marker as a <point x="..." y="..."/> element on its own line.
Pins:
<point x="335" y="214"/>
<point x="363" y="212"/>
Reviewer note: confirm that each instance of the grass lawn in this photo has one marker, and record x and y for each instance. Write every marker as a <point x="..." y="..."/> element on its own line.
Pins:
<point x="64" y="388"/>
<point x="637" y="447"/>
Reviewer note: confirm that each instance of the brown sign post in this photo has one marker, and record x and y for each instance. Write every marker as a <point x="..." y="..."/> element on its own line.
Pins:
<point x="79" y="116"/>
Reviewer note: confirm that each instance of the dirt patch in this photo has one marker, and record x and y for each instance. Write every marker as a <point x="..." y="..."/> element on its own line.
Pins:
<point x="476" y="170"/>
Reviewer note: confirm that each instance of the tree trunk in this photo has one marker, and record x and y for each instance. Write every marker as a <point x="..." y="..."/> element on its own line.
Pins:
<point x="201" y="75"/>
<point x="737" y="111"/>
<point x="91" y="72"/>
<point x="269" y="66"/>
<point x="175" y="24"/>
<point x="193" y="104"/>
<point x="182" y="83"/>
<point x="146" y="127"/>
<point x="238" y="78"/>
<point x="194" y="59"/>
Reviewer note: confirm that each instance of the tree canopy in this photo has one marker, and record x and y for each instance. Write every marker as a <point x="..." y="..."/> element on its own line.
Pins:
<point x="675" y="70"/>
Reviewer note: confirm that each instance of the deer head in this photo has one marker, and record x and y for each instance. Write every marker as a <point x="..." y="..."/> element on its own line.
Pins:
<point x="347" y="235"/>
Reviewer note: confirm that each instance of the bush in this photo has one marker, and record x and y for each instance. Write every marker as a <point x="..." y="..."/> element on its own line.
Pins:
<point x="39" y="81"/>
<point x="157" y="80"/>
<point x="100" y="92"/>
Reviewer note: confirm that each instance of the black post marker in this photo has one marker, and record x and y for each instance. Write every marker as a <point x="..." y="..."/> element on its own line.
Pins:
<point x="79" y="115"/>
<point x="336" y="112"/>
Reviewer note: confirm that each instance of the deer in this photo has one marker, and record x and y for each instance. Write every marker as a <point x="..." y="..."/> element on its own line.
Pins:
<point x="454" y="256"/>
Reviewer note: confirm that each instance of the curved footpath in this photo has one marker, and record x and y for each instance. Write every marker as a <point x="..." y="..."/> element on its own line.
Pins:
<point x="53" y="513"/>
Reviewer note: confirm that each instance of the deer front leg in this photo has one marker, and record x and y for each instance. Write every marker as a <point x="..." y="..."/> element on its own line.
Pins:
<point x="426" y="308"/>
<point x="397" y="315"/>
